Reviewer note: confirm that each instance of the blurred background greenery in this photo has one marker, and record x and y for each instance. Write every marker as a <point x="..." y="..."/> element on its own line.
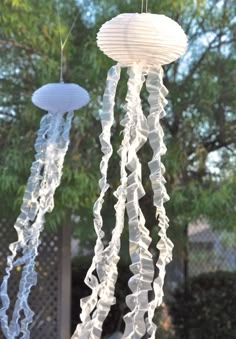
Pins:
<point x="200" y="125"/>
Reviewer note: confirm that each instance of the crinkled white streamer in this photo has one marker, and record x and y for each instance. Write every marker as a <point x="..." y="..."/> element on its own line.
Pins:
<point x="139" y="239"/>
<point x="91" y="326"/>
<point x="46" y="171"/>
<point x="157" y="101"/>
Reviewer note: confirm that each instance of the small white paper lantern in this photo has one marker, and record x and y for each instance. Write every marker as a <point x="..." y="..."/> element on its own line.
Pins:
<point x="60" y="97"/>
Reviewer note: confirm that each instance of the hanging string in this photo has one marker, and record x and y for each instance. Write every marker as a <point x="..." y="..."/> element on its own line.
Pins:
<point x="146" y="6"/>
<point x="72" y="26"/>
<point x="63" y="43"/>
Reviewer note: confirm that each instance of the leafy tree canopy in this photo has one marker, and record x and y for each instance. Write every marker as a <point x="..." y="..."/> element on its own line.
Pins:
<point x="200" y="125"/>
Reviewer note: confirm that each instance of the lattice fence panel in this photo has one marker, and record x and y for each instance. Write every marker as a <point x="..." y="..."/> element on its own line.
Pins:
<point x="45" y="296"/>
<point x="210" y="250"/>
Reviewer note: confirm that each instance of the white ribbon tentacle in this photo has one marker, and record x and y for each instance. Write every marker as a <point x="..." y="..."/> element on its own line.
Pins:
<point x="142" y="264"/>
<point x="89" y="303"/>
<point x="157" y="101"/>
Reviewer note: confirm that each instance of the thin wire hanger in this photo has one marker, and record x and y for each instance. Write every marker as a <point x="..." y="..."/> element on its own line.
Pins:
<point x="63" y="43"/>
<point x="146" y="6"/>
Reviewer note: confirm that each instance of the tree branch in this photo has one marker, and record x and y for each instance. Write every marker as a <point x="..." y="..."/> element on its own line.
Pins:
<point x="197" y="64"/>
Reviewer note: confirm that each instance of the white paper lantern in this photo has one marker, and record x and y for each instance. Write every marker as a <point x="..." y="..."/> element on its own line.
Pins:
<point x="60" y="97"/>
<point x="151" y="39"/>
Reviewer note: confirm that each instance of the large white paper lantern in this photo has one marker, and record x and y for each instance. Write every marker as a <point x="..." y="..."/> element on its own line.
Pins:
<point x="150" y="39"/>
<point x="143" y="43"/>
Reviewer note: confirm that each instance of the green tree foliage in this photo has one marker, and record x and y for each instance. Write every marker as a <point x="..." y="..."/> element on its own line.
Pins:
<point x="200" y="123"/>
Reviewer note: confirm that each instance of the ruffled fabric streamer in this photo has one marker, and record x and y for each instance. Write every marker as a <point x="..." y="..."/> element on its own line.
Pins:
<point x="51" y="146"/>
<point x="157" y="92"/>
<point x="102" y="296"/>
<point x="139" y="239"/>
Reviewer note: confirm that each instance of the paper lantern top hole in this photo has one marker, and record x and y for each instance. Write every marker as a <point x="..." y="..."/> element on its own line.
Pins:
<point x="153" y="39"/>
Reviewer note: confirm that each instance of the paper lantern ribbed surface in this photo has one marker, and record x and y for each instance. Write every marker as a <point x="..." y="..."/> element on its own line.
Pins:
<point x="148" y="38"/>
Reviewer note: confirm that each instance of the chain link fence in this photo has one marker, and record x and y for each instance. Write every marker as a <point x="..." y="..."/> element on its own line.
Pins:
<point x="210" y="250"/>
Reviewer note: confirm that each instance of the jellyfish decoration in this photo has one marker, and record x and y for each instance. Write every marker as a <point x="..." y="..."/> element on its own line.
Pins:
<point x="142" y="43"/>
<point x="60" y="100"/>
